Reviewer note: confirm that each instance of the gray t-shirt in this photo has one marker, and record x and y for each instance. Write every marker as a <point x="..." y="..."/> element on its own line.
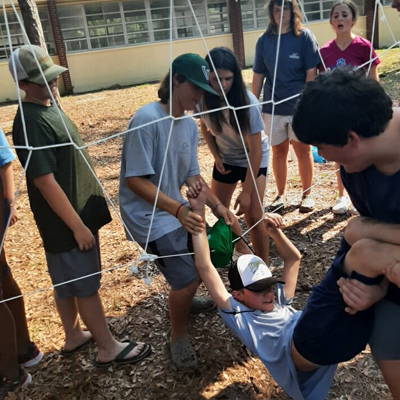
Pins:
<point x="297" y="54"/>
<point x="269" y="336"/>
<point x="143" y="155"/>
<point x="230" y="144"/>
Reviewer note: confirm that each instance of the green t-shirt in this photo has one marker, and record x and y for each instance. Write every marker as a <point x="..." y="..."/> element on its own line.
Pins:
<point x="44" y="128"/>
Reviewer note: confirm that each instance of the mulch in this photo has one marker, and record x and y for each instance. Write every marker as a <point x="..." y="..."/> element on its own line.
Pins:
<point x="139" y="311"/>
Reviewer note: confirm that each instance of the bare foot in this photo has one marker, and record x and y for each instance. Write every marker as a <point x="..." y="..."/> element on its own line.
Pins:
<point x="72" y="343"/>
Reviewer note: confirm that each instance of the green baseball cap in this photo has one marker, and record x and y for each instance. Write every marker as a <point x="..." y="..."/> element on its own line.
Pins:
<point x="26" y="66"/>
<point x="195" y="69"/>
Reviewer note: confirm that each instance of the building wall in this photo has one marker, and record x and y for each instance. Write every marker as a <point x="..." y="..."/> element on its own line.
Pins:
<point x="98" y="69"/>
<point x="132" y="65"/>
<point x="392" y="18"/>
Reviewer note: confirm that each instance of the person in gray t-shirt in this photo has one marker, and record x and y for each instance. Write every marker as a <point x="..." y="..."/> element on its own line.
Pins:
<point x="297" y="64"/>
<point x="230" y="146"/>
<point x="161" y="152"/>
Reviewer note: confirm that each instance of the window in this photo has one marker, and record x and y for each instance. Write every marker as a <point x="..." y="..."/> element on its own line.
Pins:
<point x="317" y="10"/>
<point x="47" y="30"/>
<point x="17" y="39"/>
<point x="124" y="23"/>
<point x="254" y="14"/>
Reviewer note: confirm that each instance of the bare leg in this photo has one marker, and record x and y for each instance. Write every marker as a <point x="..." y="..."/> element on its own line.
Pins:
<point x="224" y="192"/>
<point x="306" y="165"/>
<point x="339" y="181"/>
<point x="279" y="164"/>
<point x="91" y="311"/>
<point x="258" y="235"/>
<point x="17" y="309"/>
<point x="391" y="372"/>
<point x="9" y="367"/>
<point x="370" y="257"/>
<point x="179" y="302"/>
<point x="68" y="311"/>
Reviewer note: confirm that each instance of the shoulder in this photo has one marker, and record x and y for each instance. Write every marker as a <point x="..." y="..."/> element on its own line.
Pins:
<point x="147" y="113"/>
<point x="306" y="34"/>
<point x="358" y="40"/>
<point x="328" y="45"/>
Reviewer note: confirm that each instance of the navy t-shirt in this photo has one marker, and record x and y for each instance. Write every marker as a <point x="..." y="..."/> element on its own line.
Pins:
<point x="377" y="196"/>
<point x="297" y="54"/>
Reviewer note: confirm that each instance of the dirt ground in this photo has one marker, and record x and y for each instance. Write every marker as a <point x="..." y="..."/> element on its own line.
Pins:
<point x="135" y="310"/>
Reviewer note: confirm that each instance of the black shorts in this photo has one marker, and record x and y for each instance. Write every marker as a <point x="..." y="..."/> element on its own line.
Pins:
<point x="237" y="174"/>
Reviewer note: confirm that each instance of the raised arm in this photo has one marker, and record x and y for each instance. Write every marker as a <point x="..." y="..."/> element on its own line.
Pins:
<point x="291" y="258"/>
<point x="208" y="273"/>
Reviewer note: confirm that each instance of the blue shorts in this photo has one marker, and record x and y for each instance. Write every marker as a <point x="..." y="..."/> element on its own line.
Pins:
<point x="325" y="333"/>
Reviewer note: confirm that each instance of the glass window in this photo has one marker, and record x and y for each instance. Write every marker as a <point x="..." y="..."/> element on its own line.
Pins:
<point x="73" y="27"/>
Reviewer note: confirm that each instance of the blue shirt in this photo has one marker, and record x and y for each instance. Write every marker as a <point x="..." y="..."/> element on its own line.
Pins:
<point x="269" y="336"/>
<point x="297" y="55"/>
<point x="6" y="155"/>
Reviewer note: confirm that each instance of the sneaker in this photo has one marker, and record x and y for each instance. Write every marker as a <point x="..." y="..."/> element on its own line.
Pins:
<point x="32" y="357"/>
<point x="307" y="204"/>
<point x="278" y="204"/>
<point x="341" y="206"/>
<point x="7" y="385"/>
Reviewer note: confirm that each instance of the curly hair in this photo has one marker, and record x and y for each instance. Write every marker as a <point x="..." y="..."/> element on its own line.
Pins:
<point x="337" y="102"/>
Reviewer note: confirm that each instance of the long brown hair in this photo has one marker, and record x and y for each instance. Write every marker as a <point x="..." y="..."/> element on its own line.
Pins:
<point x="164" y="89"/>
<point x="295" y="16"/>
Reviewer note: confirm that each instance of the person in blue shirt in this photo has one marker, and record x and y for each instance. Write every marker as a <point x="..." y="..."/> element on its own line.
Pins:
<point x="259" y="309"/>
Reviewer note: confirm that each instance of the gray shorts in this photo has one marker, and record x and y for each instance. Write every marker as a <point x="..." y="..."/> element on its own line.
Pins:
<point x="180" y="272"/>
<point x="281" y="130"/>
<point x="74" y="264"/>
<point x="385" y="339"/>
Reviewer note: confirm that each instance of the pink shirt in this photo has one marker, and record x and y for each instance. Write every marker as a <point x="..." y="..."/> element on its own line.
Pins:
<point x="356" y="54"/>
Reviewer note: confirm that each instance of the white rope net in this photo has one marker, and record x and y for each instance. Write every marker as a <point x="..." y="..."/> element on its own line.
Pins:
<point x="144" y="256"/>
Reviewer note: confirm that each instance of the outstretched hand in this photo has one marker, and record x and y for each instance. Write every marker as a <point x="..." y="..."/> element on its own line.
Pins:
<point x="196" y="195"/>
<point x="272" y="222"/>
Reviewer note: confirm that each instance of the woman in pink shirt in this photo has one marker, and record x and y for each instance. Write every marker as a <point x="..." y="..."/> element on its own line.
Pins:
<point x="347" y="49"/>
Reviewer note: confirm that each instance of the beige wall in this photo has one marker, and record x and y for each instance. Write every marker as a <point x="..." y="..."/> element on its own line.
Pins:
<point x="393" y="20"/>
<point x="138" y="64"/>
<point x="130" y="65"/>
<point x="7" y="88"/>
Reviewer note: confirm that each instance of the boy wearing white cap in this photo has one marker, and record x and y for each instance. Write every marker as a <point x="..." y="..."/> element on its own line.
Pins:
<point x="68" y="206"/>
<point x="259" y="310"/>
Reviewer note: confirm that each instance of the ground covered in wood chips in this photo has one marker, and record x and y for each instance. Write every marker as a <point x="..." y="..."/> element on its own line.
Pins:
<point x="137" y="311"/>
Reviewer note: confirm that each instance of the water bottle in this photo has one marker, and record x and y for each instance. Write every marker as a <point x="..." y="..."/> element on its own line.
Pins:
<point x="317" y="158"/>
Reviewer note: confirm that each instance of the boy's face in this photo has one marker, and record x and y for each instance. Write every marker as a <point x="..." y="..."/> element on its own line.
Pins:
<point x="262" y="301"/>
<point x="39" y="91"/>
<point x="349" y="156"/>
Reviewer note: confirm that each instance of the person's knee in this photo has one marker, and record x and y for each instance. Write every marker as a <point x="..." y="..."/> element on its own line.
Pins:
<point x="302" y="150"/>
<point x="281" y="150"/>
<point x="362" y="254"/>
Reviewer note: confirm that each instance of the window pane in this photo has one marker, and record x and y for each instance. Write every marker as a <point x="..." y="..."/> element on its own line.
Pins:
<point x="138" y="38"/>
<point x="133" y="5"/>
<point x="77" y="45"/>
<point x="69" y="11"/>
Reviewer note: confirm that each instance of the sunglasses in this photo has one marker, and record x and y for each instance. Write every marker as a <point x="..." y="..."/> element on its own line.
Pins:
<point x="43" y="85"/>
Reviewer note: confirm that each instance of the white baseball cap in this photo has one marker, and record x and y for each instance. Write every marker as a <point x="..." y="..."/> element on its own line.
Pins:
<point x="250" y="272"/>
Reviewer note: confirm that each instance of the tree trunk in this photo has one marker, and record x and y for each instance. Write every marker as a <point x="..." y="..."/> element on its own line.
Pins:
<point x="33" y="26"/>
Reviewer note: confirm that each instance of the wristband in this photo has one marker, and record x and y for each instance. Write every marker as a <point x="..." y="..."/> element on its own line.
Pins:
<point x="215" y="207"/>
<point x="177" y="211"/>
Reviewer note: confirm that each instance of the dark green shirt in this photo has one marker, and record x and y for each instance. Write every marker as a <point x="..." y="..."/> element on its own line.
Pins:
<point x="71" y="171"/>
